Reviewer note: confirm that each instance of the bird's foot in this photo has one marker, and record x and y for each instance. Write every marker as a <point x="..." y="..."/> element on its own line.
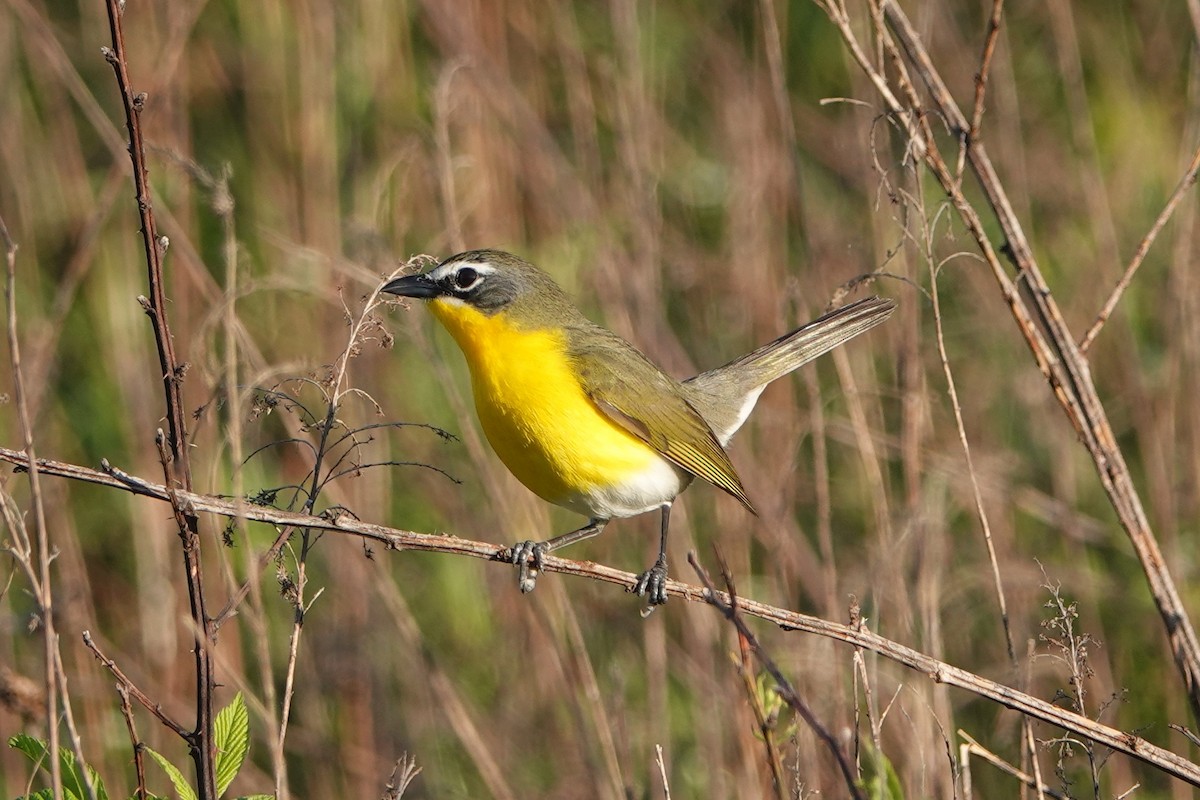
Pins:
<point x="652" y="584"/>
<point x="530" y="558"/>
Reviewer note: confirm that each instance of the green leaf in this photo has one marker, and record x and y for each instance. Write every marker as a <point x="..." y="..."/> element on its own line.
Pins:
<point x="231" y="730"/>
<point x="42" y="794"/>
<point x="182" y="787"/>
<point x="257" y="797"/>
<point x="34" y="748"/>
<point x="879" y="776"/>
<point x="73" y="786"/>
<point x="97" y="784"/>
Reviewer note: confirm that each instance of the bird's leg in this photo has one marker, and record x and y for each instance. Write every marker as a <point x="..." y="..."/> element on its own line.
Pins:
<point x="652" y="584"/>
<point x="530" y="556"/>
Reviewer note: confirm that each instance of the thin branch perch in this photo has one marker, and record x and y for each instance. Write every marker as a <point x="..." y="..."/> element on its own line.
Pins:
<point x="395" y="539"/>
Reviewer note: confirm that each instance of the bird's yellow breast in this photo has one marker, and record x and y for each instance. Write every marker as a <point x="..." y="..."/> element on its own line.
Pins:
<point x="534" y="411"/>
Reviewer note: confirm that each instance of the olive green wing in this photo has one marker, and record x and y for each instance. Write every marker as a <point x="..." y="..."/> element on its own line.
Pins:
<point x="639" y="397"/>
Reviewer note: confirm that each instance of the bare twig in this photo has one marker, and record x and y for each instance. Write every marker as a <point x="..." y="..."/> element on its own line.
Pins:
<point x="972" y="747"/>
<point x="1030" y="758"/>
<point x="153" y="245"/>
<point x="171" y="371"/>
<point x="187" y="526"/>
<point x="39" y="571"/>
<point x="403" y="774"/>
<point x="57" y="694"/>
<point x="395" y="539"/>
<point x="1139" y="255"/>
<point x="861" y="676"/>
<point x="925" y="241"/>
<point x="334" y="392"/>
<point x="985" y="526"/>
<point x="729" y="605"/>
<point x="961" y="428"/>
<point x="985" y="64"/>
<point x="1073" y="650"/>
<point x="1036" y="313"/>
<point x="295" y="594"/>
<point x="139" y="752"/>
<point x="1191" y="737"/>
<point x="129" y="686"/>
<point x="69" y="719"/>
<point x="662" y="771"/>
<point x="766" y="725"/>
<point x="269" y="555"/>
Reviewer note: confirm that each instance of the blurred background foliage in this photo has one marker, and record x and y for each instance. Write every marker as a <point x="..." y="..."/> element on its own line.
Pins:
<point x="699" y="202"/>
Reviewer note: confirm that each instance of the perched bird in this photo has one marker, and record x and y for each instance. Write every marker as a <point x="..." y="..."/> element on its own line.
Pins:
<point x="586" y="421"/>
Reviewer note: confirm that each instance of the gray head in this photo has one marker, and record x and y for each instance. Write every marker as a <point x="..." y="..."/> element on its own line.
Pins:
<point x="490" y="281"/>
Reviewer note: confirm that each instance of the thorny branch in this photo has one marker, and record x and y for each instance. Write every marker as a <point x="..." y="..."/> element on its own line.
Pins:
<point x="139" y="750"/>
<point x="128" y="688"/>
<point x="200" y="740"/>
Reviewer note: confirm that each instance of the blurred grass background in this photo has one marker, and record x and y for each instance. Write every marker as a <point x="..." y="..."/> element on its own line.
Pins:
<point x="639" y="152"/>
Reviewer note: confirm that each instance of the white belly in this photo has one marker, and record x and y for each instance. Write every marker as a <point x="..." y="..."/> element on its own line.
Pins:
<point x="652" y="488"/>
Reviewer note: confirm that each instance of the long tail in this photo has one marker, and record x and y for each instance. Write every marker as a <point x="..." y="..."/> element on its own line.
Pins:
<point x="725" y="396"/>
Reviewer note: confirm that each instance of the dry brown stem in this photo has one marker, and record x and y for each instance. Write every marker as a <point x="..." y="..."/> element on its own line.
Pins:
<point x="139" y="751"/>
<point x="1139" y="255"/>
<point x="973" y="748"/>
<point x="985" y="65"/>
<point x="729" y="604"/>
<point x="178" y="468"/>
<point x="37" y="571"/>
<point x="1030" y="301"/>
<point x="128" y="688"/>
<point x="766" y="726"/>
<point x="395" y="539"/>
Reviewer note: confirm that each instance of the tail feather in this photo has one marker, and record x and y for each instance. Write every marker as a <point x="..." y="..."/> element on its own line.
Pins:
<point x="724" y="396"/>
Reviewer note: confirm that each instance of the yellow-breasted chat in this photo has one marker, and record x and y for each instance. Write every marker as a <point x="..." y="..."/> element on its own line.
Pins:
<point x="586" y="421"/>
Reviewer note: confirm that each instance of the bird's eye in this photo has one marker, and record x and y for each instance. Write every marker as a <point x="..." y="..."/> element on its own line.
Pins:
<point x="466" y="277"/>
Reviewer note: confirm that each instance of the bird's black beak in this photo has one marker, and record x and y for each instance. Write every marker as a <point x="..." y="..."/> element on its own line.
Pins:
<point x="420" y="286"/>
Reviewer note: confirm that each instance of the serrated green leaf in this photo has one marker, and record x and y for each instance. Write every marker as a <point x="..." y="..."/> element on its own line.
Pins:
<point x="93" y="776"/>
<point x="34" y="748"/>
<point x="231" y="731"/>
<point x="69" y="769"/>
<point x="73" y="786"/>
<point x="182" y="787"/>
<point x="42" y="794"/>
<point x="97" y="783"/>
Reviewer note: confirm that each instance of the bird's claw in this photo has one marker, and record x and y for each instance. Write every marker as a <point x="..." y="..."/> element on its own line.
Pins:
<point x="530" y="558"/>
<point x="652" y="584"/>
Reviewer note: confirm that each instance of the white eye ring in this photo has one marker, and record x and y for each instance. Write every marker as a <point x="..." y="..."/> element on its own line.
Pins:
<point x="466" y="277"/>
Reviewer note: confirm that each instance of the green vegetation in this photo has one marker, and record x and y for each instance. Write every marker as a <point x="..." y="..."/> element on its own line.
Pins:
<point x="301" y="151"/>
<point x="232" y="737"/>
